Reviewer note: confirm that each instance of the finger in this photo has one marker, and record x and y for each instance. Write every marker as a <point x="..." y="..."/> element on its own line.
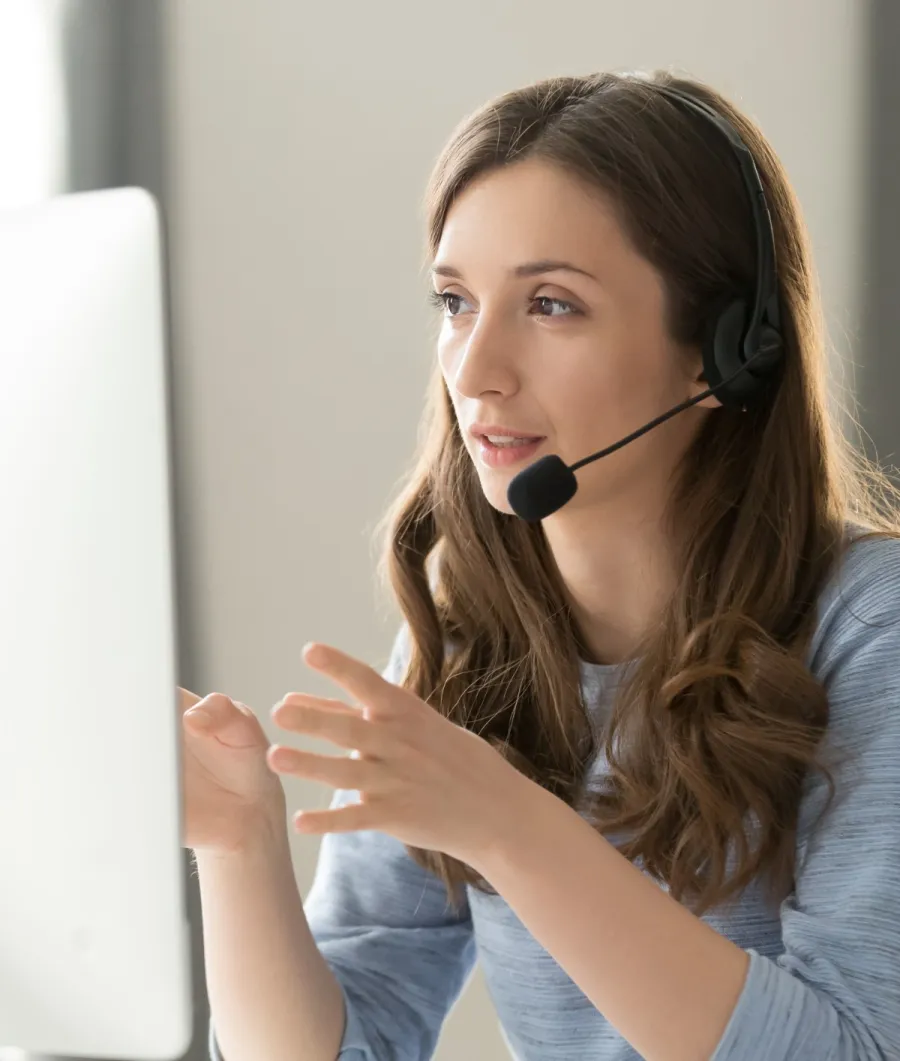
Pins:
<point x="346" y="727"/>
<point x="231" y="722"/>
<point x="339" y="771"/>
<point x="282" y="710"/>
<point x="347" y="819"/>
<point x="355" y="677"/>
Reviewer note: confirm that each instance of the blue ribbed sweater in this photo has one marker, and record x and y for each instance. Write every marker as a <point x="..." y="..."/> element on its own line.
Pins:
<point x="824" y="974"/>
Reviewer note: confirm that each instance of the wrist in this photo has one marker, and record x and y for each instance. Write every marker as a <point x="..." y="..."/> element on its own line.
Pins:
<point x="262" y="832"/>
<point x="517" y="817"/>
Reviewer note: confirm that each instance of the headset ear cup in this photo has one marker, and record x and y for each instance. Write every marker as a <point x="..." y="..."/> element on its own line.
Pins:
<point x="771" y="350"/>
<point x="711" y="373"/>
<point x="714" y="371"/>
<point x="724" y="352"/>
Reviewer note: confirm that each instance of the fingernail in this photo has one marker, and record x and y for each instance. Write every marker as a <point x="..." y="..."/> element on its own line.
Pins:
<point x="200" y="718"/>
<point x="311" y="652"/>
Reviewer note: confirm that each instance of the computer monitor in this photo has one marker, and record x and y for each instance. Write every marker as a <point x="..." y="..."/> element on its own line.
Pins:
<point x="94" y="937"/>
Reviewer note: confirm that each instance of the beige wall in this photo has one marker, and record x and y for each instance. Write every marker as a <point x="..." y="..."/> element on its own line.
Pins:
<point x="303" y="135"/>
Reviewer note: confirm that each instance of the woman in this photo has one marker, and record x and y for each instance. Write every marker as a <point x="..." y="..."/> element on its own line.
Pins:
<point x="639" y="752"/>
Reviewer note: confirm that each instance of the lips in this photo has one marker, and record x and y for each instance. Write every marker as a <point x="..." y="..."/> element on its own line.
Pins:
<point x="504" y="456"/>
<point x="503" y="432"/>
<point x="507" y="440"/>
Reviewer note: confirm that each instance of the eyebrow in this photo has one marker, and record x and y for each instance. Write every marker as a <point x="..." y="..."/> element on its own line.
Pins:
<point x="545" y="265"/>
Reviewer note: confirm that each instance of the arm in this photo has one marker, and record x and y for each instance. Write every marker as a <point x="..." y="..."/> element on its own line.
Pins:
<point x="678" y="990"/>
<point x="662" y="977"/>
<point x="270" y="990"/>
<point x="401" y="955"/>
<point x="834" y="992"/>
<point x="366" y="969"/>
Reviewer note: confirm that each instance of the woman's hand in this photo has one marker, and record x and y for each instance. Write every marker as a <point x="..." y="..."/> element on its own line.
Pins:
<point x="229" y="790"/>
<point x="421" y="778"/>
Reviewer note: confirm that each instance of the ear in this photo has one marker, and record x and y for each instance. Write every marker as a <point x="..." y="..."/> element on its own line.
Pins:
<point x="698" y="383"/>
<point x="709" y="402"/>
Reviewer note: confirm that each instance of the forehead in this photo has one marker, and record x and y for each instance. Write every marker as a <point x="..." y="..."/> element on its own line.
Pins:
<point x="529" y="210"/>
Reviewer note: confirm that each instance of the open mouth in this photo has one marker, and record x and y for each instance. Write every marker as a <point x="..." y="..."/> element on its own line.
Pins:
<point x="502" y="442"/>
<point x="500" y="451"/>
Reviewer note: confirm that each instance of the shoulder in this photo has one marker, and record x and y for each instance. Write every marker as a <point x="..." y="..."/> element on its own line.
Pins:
<point x="855" y="650"/>
<point x="394" y="670"/>
<point x="401" y="652"/>
<point x="861" y="597"/>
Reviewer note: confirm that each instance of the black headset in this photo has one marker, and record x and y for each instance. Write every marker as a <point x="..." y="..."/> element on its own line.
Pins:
<point x="736" y="338"/>
<point x="742" y="345"/>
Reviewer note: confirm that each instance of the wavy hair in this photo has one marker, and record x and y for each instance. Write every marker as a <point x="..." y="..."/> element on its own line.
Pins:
<point x="719" y="719"/>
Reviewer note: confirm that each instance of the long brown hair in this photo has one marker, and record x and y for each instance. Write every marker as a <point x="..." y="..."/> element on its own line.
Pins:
<point x="719" y="719"/>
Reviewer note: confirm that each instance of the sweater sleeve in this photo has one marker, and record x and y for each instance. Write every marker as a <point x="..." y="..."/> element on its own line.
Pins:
<point x="833" y="994"/>
<point x="399" y="951"/>
<point x="401" y="954"/>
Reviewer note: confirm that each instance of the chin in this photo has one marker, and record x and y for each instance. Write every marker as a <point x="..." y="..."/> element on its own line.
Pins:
<point x="494" y="488"/>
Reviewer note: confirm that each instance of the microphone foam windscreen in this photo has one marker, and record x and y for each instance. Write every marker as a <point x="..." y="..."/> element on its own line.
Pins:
<point x="541" y="489"/>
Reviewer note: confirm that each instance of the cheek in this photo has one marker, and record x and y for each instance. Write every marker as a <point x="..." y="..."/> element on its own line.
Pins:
<point x="455" y="398"/>
<point x="596" y="401"/>
<point x="610" y="398"/>
<point x="448" y="360"/>
<point x="448" y="372"/>
<point x="448" y="351"/>
<point x="458" y="413"/>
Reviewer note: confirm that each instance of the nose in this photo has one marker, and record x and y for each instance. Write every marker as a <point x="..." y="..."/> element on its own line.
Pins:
<point x="484" y="363"/>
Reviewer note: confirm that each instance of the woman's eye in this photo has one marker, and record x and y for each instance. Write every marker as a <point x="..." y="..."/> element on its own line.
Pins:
<point x="556" y="302"/>
<point x="446" y="299"/>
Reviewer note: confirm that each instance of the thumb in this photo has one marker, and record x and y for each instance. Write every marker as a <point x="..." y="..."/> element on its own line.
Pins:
<point x="230" y="722"/>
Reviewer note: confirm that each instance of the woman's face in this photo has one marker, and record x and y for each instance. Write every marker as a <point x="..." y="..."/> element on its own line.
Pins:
<point x="576" y="357"/>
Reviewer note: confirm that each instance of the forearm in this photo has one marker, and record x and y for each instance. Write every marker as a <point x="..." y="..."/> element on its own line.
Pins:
<point x="272" y="995"/>
<point x="660" y="975"/>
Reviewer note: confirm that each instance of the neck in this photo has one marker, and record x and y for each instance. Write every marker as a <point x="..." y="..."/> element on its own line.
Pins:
<point x="618" y="573"/>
